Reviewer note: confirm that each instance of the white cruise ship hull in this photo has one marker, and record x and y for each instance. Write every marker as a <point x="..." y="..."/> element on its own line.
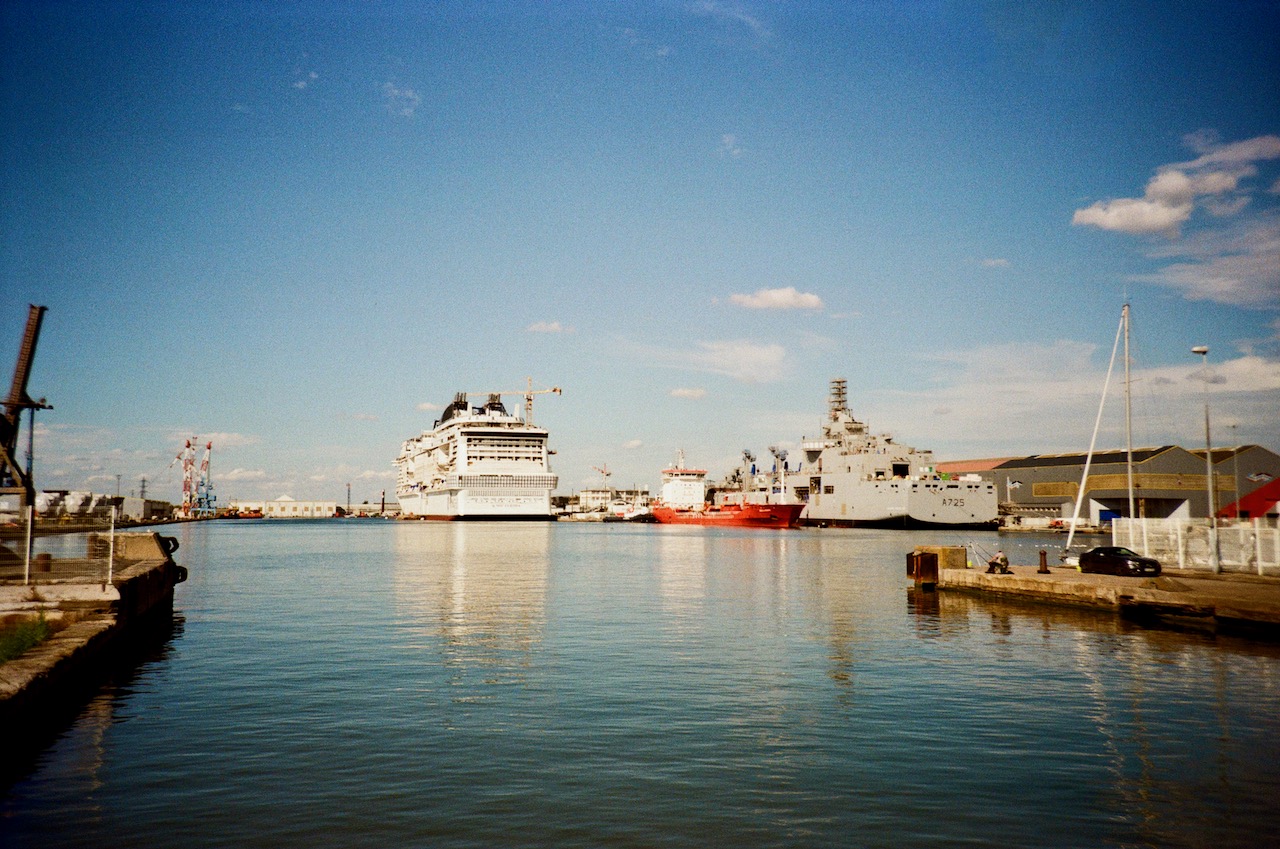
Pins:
<point x="487" y="503"/>
<point x="901" y="503"/>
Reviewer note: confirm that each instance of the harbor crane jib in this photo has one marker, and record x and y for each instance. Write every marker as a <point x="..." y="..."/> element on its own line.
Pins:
<point x="14" y="479"/>
<point x="528" y="392"/>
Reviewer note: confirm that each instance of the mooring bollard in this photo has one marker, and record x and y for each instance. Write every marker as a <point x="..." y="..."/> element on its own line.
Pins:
<point x="1044" y="563"/>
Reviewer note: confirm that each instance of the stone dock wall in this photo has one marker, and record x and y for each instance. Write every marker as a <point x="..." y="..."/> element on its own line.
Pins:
<point x="98" y="618"/>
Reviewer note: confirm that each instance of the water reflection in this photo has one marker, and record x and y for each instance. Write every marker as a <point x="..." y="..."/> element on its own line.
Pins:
<point x="682" y="573"/>
<point x="1139" y="695"/>
<point x="494" y="685"/>
<point x="477" y="590"/>
<point x="81" y="723"/>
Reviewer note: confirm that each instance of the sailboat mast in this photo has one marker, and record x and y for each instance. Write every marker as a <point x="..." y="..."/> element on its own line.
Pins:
<point x="1128" y="412"/>
<point x="1093" y="441"/>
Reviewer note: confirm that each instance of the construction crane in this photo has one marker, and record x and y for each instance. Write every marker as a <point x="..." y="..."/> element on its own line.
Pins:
<point x="204" y="487"/>
<point x="187" y="456"/>
<point x="528" y="394"/>
<point x="15" y="480"/>
<point x="604" y="474"/>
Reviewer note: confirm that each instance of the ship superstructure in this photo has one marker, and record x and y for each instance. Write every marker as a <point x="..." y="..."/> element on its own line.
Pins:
<point x="856" y="477"/>
<point x="683" y="487"/>
<point x="478" y="462"/>
<point x="684" y="502"/>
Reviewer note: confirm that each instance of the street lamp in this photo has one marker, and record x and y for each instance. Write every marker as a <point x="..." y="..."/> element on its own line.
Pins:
<point x="1214" y="560"/>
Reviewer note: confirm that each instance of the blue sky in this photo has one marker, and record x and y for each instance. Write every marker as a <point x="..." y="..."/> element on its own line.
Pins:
<point x="297" y="230"/>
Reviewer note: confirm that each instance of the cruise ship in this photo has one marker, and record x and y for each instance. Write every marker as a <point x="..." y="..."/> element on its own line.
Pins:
<point x="478" y="462"/>
<point x="859" y="478"/>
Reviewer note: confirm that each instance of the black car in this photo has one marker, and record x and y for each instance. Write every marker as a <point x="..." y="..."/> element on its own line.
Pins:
<point x="1114" y="560"/>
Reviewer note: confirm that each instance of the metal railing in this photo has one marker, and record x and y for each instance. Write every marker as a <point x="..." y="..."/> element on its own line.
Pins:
<point x="1251" y="546"/>
<point x="60" y="552"/>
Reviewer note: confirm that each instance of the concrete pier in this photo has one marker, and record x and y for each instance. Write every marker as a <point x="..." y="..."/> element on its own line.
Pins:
<point x="92" y="618"/>
<point x="1236" y="603"/>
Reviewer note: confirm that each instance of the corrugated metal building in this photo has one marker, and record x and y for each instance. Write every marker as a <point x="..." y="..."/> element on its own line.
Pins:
<point x="1168" y="482"/>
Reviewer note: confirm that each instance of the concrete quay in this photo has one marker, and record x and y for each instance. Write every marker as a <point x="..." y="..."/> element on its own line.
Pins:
<point x="93" y="620"/>
<point x="1247" y="605"/>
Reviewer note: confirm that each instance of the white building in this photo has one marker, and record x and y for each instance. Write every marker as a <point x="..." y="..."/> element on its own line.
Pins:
<point x="285" y="507"/>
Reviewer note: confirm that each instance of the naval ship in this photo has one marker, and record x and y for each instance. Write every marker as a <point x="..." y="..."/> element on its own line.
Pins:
<point x="856" y="478"/>
<point x="478" y="463"/>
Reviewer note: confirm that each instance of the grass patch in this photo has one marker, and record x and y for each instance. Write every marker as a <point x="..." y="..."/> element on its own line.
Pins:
<point x="18" y="637"/>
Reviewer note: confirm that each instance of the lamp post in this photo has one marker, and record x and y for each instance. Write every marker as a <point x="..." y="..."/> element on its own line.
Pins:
<point x="1235" y="472"/>
<point x="1214" y="560"/>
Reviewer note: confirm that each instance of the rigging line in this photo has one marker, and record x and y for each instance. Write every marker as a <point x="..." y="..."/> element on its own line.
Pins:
<point x="1075" y="517"/>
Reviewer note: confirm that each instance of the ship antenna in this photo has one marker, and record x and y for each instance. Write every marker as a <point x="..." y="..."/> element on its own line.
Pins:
<point x="838" y="402"/>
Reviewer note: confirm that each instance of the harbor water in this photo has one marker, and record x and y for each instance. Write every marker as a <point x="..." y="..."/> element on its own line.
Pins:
<point x="367" y="683"/>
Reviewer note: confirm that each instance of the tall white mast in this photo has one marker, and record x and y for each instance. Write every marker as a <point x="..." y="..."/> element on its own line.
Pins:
<point x="1088" y="460"/>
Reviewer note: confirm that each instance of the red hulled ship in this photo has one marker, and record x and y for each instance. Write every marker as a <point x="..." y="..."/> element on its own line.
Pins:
<point x="732" y="515"/>
<point x="683" y="502"/>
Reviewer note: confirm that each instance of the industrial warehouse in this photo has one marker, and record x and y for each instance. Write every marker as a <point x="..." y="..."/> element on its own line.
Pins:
<point x="1168" y="482"/>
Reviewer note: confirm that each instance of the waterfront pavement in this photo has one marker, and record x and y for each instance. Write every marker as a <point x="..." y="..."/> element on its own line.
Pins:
<point x="1230" y="601"/>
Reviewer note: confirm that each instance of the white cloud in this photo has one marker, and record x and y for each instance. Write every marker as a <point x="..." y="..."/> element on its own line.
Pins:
<point x="748" y="362"/>
<point x="428" y="407"/>
<point x="730" y="13"/>
<point x="1236" y="154"/>
<point x="645" y="46"/>
<point x="1239" y="265"/>
<point x="1232" y="256"/>
<point x="729" y="146"/>
<point x="401" y="101"/>
<point x="688" y="393"/>
<point x="995" y="263"/>
<point x="633" y="444"/>
<point x="304" y="80"/>
<point x="243" y="475"/>
<point x="778" y="299"/>
<point x="1044" y="398"/>
<point x="1136" y="217"/>
<point x="1172" y="194"/>
<point x="548" y="327"/>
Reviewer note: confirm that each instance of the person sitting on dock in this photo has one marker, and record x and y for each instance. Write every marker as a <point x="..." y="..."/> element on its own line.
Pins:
<point x="999" y="563"/>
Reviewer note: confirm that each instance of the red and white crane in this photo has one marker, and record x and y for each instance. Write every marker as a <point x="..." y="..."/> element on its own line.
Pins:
<point x="197" y="497"/>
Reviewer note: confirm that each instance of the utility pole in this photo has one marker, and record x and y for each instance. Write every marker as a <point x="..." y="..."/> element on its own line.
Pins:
<point x="1214" y="559"/>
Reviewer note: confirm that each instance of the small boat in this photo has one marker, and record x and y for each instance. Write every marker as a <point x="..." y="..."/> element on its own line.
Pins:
<point x="683" y="502"/>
